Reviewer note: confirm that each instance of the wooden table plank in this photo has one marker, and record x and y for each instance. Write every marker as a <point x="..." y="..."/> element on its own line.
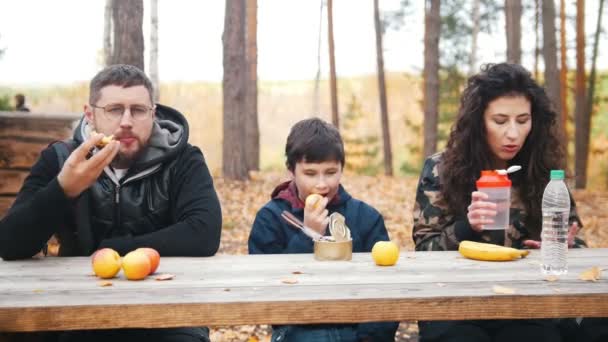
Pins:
<point x="59" y="293"/>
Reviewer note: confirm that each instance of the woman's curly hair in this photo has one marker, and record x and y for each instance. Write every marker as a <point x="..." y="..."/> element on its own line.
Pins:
<point x="468" y="152"/>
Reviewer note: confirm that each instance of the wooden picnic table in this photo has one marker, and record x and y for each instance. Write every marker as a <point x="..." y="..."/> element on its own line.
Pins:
<point x="62" y="294"/>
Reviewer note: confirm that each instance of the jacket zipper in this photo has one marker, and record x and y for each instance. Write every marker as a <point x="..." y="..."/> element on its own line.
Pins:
<point x="116" y="207"/>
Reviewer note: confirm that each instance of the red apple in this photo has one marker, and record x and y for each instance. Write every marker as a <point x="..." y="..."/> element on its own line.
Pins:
<point x="153" y="256"/>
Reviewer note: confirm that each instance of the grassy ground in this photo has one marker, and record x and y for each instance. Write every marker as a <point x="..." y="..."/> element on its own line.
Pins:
<point x="393" y="197"/>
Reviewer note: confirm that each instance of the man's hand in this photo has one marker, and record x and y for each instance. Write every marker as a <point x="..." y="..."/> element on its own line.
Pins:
<point x="316" y="217"/>
<point x="79" y="173"/>
<point x="480" y="212"/>
<point x="535" y="244"/>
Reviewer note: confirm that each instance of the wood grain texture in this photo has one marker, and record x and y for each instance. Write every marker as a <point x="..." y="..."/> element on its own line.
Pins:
<point x="60" y="293"/>
<point x="11" y="181"/>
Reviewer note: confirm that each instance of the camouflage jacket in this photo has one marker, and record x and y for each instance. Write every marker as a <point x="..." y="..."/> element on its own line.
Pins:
<point x="436" y="228"/>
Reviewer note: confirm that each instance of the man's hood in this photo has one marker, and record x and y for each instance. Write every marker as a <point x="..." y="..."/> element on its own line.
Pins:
<point x="169" y="137"/>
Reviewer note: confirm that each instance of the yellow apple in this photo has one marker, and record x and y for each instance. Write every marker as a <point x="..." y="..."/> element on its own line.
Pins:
<point x="136" y="265"/>
<point x="106" y="263"/>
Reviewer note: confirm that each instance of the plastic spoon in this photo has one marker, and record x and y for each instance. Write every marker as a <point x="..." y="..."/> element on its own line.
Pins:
<point x="511" y="169"/>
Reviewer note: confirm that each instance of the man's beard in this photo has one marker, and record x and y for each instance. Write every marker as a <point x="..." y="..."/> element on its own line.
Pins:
<point x="123" y="161"/>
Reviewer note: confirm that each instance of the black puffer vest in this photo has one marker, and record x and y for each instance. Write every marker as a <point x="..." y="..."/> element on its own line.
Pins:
<point x="137" y="204"/>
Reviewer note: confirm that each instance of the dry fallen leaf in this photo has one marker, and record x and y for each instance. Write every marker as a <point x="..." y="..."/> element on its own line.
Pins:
<point x="165" y="276"/>
<point x="38" y="291"/>
<point x="289" y="281"/>
<point x="502" y="289"/>
<point x="592" y="274"/>
<point x="551" y="278"/>
<point x="557" y="290"/>
<point x="440" y="284"/>
<point x="297" y="272"/>
<point x="104" y="283"/>
<point x="226" y="290"/>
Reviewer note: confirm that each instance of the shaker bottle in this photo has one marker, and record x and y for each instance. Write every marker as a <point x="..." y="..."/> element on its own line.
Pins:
<point x="498" y="189"/>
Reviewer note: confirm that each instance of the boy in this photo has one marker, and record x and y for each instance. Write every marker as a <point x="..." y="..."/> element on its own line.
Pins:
<point x="315" y="160"/>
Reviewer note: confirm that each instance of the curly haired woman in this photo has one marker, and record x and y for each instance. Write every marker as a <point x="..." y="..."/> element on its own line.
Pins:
<point x="505" y="118"/>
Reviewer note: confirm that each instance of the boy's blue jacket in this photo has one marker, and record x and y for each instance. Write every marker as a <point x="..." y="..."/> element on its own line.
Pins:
<point x="271" y="234"/>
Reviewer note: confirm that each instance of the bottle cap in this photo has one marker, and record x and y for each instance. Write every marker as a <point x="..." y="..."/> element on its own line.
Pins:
<point x="492" y="179"/>
<point x="558" y="174"/>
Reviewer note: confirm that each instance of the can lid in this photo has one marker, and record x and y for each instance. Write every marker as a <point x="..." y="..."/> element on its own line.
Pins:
<point x="492" y="179"/>
<point x="558" y="174"/>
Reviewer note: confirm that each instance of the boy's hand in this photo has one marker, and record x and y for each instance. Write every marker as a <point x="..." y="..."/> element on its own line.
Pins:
<point x="316" y="216"/>
<point x="79" y="173"/>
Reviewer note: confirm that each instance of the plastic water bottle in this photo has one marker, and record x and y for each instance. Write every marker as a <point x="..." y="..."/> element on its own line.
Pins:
<point x="556" y="209"/>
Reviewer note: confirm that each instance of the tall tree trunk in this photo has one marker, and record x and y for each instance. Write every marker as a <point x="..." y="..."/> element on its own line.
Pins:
<point x="592" y="78"/>
<point x="252" y="131"/>
<point x="335" y="118"/>
<point x="316" y="105"/>
<point x="563" y="71"/>
<point x="536" y="38"/>
<point x="513" y="29"/>
<point x="432" y="27"/>
<point x="550" y="57"/>
<point x="582" y="121"/>
<point x="128" y="47"/>
<point x="107" y="33"/>
<point x="154" y="48"/>
<point x="386" y="132"/>
<point x="234" y="162"/>
<point x="474" y="35"/>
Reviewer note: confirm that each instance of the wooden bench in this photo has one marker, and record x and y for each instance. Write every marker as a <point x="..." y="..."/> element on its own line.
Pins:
<point x="22" y="136"/>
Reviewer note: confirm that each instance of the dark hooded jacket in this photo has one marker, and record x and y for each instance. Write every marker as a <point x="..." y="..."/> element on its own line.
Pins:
<point x="166" y="201"/>
<point x="271" y="234"/>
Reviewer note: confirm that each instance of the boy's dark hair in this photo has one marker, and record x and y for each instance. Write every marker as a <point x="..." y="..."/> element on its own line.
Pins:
<point x="123" y="75"/>
<point x="313" y="141"/>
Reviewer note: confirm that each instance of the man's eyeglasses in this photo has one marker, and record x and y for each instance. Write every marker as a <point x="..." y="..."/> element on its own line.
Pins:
<point x="116" y="111"/>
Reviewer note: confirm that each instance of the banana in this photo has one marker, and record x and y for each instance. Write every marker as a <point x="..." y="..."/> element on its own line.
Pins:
<point x="489" y="252"/>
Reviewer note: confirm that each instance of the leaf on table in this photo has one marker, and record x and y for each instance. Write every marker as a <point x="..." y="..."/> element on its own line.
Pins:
<point x="164" y="276"/>
<point x="38" y="291"/>
<point x="226" y="290"/>
<point x="551" y="278"/>
<point x="557" y="290"/>
<point x="502" y="289"/>
<point x="104" y="283"/>
<point x="592" y="274"/>
<point x="289" y="281"/>
<point x="440" y="284"/>
<point x="297" y="272"/>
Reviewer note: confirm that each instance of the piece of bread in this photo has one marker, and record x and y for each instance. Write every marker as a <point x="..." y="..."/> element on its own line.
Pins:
<point x="104" y="141"/>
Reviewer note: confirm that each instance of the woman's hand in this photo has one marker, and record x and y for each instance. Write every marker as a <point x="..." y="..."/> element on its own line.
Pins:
<point x="480" y="212"/>
<point x="535" y="244"/>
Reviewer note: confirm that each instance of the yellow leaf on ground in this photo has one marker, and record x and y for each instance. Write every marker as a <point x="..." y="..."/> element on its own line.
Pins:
<point x="165" y="276"/>
<point x="253" y="339"/>
<point x="105" y="283"/>
<point x="289" y="281"/>
<point x="502" y="289"/>
<point x="592" y="274"/>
